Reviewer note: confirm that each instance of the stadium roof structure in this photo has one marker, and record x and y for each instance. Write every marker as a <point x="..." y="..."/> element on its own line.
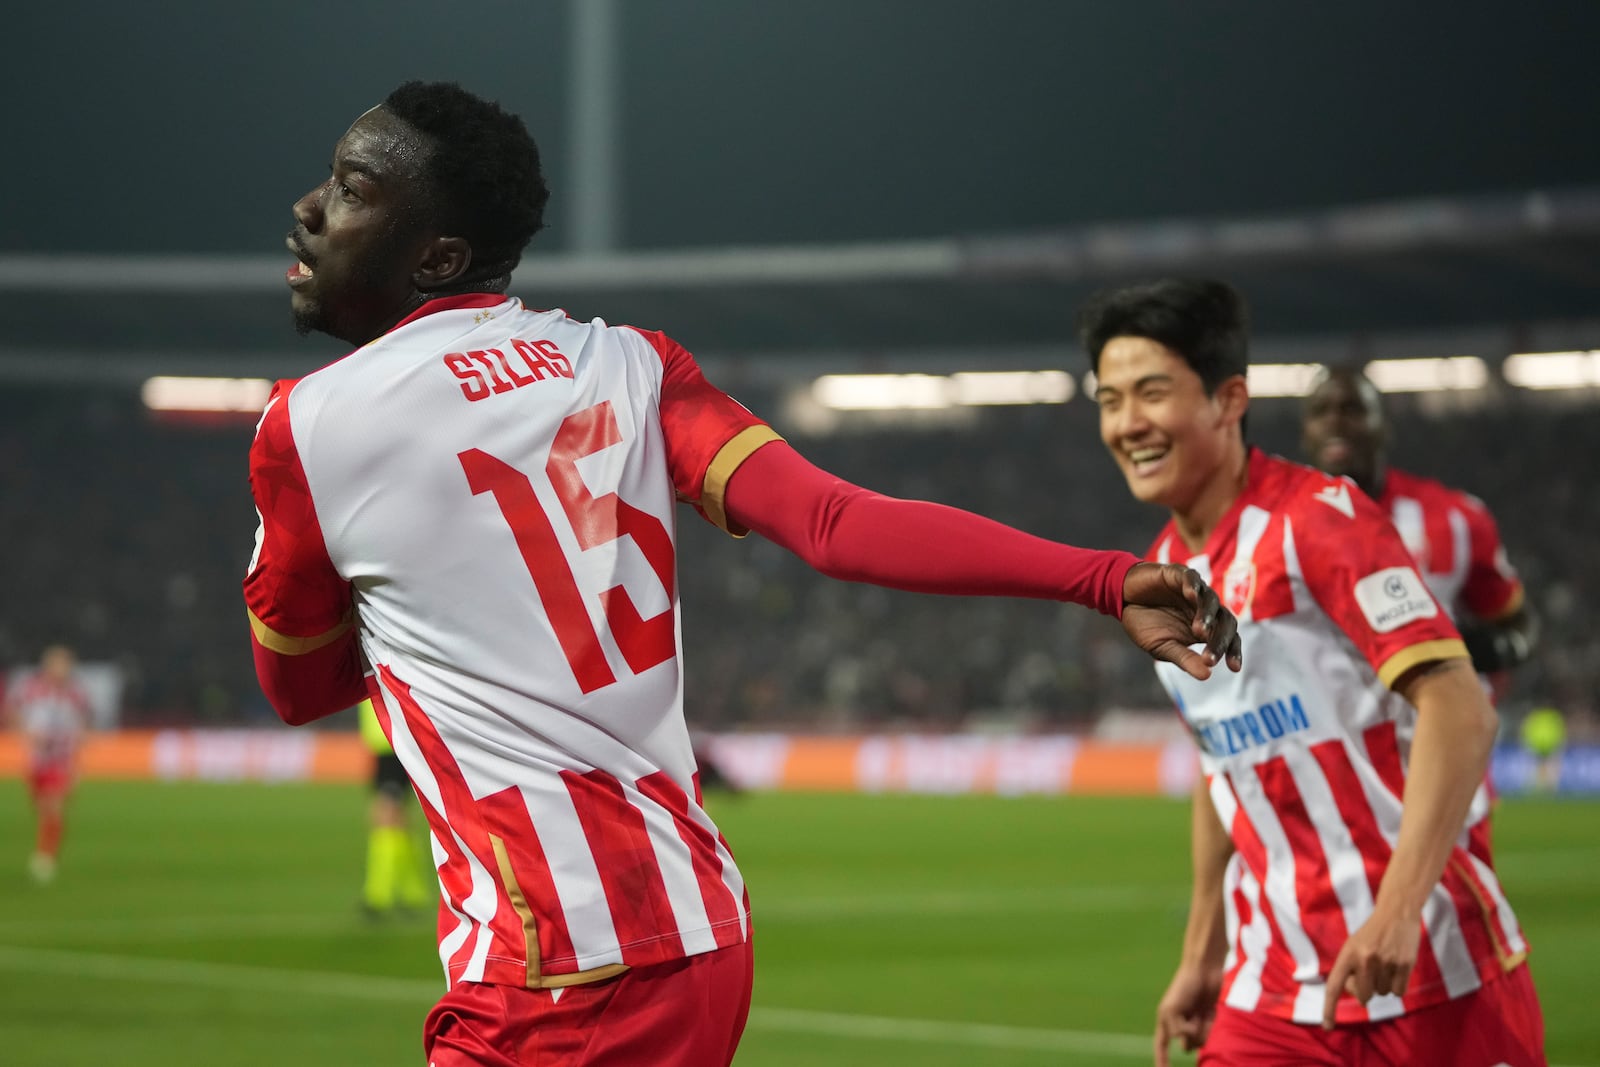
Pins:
<point x="1508" y="263"/>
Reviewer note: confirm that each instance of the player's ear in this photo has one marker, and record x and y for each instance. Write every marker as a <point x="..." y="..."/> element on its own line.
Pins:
<point x="1233" y="398"/>
<point x="444" y="259"/>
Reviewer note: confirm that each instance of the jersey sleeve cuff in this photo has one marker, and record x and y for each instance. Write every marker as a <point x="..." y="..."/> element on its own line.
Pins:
<point x="739" y="448"/>
<point x="1424" y="652"/>
<point x="285" y="645"/>
<point x="1512" y="605"/>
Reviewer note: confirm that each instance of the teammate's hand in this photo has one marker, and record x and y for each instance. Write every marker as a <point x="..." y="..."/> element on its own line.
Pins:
<point x="1166" y="607"/>
<point x="1377" y="958"/>
<point x="1187" y="1010"/>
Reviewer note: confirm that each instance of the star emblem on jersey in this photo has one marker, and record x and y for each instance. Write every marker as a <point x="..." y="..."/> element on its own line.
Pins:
<point x="1337" y="497"/>
<point x="482" y="317"/>
<point x="1239" y="586"/>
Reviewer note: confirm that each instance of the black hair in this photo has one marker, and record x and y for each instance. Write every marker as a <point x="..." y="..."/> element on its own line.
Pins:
<point x="1203" y="321"/>
<point x="485" y="183"/>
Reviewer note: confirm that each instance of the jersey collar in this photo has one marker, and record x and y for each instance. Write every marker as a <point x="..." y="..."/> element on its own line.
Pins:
<point x="452" y="303"/>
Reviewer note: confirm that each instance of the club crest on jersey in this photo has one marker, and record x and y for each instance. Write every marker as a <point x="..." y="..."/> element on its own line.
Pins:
<point x="1239" y="586"/>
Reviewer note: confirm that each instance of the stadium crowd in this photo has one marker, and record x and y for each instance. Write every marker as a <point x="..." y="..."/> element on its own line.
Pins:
<point x="123" y="535"/>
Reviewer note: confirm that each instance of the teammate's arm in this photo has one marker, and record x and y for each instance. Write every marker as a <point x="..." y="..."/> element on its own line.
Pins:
<point x="1501" y="644"/>
<point x="848" y="532"/>
<point x="1449" y="756"/>
<point x="1189" y="1006"/>
<point x="1503" y="628"/>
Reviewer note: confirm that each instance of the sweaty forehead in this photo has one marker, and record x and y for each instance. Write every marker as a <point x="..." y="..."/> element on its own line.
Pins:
<point x="385" y="147"/>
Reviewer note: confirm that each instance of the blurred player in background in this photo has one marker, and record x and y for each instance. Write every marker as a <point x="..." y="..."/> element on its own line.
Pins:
<point x="394" y="879"/>
<point x="52" y="711"/>
<point x="1318" y="897"/>
<point x="1449" y="533"/>
<point x="476" y="509"/>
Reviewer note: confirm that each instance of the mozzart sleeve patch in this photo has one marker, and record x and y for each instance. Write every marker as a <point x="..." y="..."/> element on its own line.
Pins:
<point x="1394" y="596"/>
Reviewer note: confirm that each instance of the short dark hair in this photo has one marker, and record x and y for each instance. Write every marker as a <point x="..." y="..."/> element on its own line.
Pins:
<point x="1204" y="321"/>
<point x="484" y="176"/>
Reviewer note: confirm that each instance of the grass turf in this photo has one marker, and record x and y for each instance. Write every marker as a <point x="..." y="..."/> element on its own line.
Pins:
<point x="198" y="924"/>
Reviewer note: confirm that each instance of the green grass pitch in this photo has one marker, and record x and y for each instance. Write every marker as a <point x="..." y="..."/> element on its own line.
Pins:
<point x="201" y="924"/>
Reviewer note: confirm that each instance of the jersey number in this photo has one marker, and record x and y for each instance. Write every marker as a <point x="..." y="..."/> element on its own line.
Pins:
<point x="595" y="521"/>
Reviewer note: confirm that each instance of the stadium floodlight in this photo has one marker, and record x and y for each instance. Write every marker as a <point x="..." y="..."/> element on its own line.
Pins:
<point x="1429" y="375"/>
<point x="203" y="396"/>
<point x="1012" y="387"/>
<point x="1554" y="370"/>
<point x="1282" y="379"/>
<point x="890" y="392"/>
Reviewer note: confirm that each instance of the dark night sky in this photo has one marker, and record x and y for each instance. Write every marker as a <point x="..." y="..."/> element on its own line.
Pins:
<point x="192" y="126"/>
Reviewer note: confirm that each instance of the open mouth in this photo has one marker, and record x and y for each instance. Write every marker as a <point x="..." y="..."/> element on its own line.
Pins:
<point x="1147" y="461"/>
<point x="1335" y="450"/>
<point x="301" y="272"/>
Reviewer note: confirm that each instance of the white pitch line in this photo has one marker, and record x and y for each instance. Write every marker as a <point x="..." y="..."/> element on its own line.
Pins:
<point x="411" y="991"/>
<point x="421" y="993"/>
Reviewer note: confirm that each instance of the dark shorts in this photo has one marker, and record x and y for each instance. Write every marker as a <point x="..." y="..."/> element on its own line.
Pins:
<point x="389" y="777"/>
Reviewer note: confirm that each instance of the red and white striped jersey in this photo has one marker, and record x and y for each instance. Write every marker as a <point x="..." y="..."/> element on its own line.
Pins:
<point x="492" y="490"/>
<point x="1305" y="751"/>
<point x="1457" y="547"/>
<point x="52" y="715"/>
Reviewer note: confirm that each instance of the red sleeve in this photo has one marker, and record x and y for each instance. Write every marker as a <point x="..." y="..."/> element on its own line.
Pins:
<point x="306" y="654"/>
<point x="1360" y="573"/>
<point x="708" y="433"/>
<point x="848" y="532"/>
<point x="1492" y="589"/>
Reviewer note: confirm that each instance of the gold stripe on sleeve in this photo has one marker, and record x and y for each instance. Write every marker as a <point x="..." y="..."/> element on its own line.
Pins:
<point x="284" y="645"/>
<point x="1424" y="652"/>
<point x="738" y="449"/>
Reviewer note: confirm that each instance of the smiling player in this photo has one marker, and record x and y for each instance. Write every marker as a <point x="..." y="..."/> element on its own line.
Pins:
<point x="1318" y="896"/>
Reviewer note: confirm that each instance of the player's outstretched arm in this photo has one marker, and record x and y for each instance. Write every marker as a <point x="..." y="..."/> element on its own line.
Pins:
<point x="848" y="532"/>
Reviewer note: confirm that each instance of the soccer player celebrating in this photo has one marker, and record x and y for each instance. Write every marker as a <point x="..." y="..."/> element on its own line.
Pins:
<point x="470" y="518"/>
<point x="52" y="711"/>
<point x="1449" y="533"/>
<point x="1318" y="897"/>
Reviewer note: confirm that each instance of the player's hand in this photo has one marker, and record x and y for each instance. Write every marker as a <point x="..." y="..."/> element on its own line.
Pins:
<point x="1166" y="607"/>
<point x="1376" y="959"/>
<point x="1187" y="1010"/>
